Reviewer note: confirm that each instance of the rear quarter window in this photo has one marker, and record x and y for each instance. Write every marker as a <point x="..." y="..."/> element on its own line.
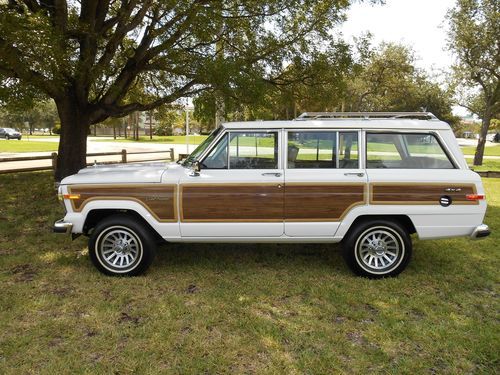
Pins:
<point x="405" y="151"/>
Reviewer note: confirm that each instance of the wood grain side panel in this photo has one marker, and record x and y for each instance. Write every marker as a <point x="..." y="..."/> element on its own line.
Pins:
<point x="399" y="193"/>
<point x="231" y="203"/>
<point x="309" y="202"/>
<point x="159" y="200"/>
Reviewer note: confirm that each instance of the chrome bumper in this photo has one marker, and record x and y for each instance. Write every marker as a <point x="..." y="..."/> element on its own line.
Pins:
<point x="60" y="226"/>
<point x="481" y="231"/>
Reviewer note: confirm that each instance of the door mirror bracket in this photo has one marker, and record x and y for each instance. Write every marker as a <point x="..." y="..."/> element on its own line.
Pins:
<point x="195" y="169"/>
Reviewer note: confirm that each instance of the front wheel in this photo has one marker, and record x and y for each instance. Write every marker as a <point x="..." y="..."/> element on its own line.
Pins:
<point x="121" y="246"/>
<point x="377" y="249"/>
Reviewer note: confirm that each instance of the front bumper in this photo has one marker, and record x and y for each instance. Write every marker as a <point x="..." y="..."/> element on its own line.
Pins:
<point x="60" y="226"/>
<point x="480" y="231"/>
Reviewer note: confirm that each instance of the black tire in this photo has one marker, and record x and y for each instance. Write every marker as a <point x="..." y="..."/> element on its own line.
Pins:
<point x="122" y="237"/>
<point x="377" y="248"/>
<point x="7" y="137"/>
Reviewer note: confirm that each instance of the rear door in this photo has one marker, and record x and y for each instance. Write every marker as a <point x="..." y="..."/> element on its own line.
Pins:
<point x="239" y="191"/>
<point x="323" y="180"/>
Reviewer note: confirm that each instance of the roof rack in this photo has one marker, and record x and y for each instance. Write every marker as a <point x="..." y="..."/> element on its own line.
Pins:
<point x="365" y="115"/>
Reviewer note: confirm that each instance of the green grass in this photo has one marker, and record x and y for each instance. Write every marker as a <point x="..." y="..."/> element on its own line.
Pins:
<point x="488" y="164"/>
<point x="46" y="136"/>
<point x="27" y="146"/>
<point x="493" y="150"/>
<point x="239" y="308"/>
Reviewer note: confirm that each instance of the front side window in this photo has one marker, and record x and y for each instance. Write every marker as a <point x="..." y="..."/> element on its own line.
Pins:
<point x="405" y="151"/>
<point x="244" y="150"/>
<point x="322" y="149"/>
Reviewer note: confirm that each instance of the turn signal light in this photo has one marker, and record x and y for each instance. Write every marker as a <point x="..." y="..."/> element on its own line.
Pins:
<point x="474" y="197"/>
<point x="71" y="196"/>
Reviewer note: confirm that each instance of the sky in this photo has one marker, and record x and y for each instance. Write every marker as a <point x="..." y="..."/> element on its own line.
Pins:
<point x="419" y="24"/>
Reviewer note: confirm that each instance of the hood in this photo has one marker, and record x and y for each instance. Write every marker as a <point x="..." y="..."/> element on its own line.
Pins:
<point x="12" y="132"/>
<point x="120" y="173"/>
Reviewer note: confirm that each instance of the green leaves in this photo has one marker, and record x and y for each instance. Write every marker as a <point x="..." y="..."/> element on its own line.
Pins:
<point x="474" y="38"/>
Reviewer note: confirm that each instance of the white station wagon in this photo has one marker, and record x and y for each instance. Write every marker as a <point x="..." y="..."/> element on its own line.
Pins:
<point x="367" y="180"/>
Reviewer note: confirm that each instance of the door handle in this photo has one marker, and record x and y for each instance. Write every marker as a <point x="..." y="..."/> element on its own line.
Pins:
<point x="275" y="174"/>
<point x="359" y="174"/>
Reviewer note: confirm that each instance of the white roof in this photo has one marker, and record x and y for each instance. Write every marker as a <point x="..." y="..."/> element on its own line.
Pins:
<point x="342" y="123"/>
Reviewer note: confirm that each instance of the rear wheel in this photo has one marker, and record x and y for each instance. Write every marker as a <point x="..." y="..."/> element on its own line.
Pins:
<point x="7" y="137"/>
<point x="377" y="248"/>
<point x="121" y="246"/>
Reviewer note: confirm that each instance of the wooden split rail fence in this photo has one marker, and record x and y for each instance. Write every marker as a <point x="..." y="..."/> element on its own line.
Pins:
<point x="53" y="157"/>
<point x="123" y="154"/>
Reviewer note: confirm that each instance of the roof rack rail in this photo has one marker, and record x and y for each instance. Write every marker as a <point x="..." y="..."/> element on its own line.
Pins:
<point x="365" y="115"/>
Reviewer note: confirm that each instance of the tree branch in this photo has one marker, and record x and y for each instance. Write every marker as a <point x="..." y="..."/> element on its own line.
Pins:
<point x="101" y="112"/>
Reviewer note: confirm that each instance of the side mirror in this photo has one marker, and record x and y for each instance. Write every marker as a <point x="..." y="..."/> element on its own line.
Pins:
<point x="195" y="168"/>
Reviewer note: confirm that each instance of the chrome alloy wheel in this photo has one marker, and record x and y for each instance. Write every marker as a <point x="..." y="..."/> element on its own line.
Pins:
<point x="119" y="249"/>
<point x="379" y="250"/>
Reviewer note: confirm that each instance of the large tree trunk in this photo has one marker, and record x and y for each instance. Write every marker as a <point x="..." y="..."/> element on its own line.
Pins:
<point x="72" y="153"/>
<point x="478" y="156"/>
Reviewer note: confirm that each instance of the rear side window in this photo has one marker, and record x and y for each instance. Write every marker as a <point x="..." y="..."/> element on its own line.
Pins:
<point x="253" y="150"/>
<point x="322" y="149"/>
<point x="405" y="151"/>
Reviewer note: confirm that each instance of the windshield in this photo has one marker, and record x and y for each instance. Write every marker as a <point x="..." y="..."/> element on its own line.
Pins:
<point x="9" y="130"/>
<point x="201" y="148"/>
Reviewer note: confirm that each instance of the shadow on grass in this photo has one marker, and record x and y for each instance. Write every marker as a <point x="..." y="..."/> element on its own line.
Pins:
<point x="251" y="256"/>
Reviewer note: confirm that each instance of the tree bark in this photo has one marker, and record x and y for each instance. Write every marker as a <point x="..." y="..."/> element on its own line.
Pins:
<point x="75" y="124"/>
<point x="478" y="156"/>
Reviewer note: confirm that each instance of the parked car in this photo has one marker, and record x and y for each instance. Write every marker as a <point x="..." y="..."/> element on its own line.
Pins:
<point x="366" y="180"/>
<point x="9" y="133"/>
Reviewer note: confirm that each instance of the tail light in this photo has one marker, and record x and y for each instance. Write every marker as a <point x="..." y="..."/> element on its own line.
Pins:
<point x="474" y="197"/>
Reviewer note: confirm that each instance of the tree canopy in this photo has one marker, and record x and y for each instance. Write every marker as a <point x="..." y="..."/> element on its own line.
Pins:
<point x="89" y="55"/>
<point x="343" y="77"/>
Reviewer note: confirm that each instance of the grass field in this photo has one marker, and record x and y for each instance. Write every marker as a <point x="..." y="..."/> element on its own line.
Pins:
<point x="27" y="146"/>
<point x="488" y="164"/>
<point x="491" y="150"/>
<point x="46" y="136"/>
<point x="239" y="308"/>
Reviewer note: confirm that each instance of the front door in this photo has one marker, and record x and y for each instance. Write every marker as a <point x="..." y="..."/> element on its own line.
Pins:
<point x="323" y="180"/>
<point x="239" y="191"/>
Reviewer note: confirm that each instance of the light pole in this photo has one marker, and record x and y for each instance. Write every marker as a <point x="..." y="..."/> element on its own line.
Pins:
<point x="187" y="125"/>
